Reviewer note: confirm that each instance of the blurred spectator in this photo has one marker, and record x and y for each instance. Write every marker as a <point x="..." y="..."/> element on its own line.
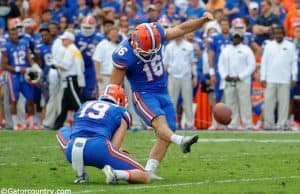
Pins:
<point x="107" y="24"/>
<point x="44" y="59"/>
<point x="219" y="14"/>
<point x="217" y="42"/>
<point x="95" y="10"/>
<point x="37" y="7"/>
<point x="17" y="67"/>
<point x="46" y="17"/>
<point x="277" y="9"/>
<point x="72" y="69"/>
<point x="253" y="13"/>
<point x="30" y="32"/>
<point x="87" y="40"/>
<point x="60" y="10"/>
<point x="238" y="24"/>
<point x="159" y="6"/>
<point x="171" y="14"/>
<point x="9" y="10"/>
<point x="63" y="24"/>
<point x="257" y="99"/>
<point x="54" y="29"/>
<point x="278" y="74"/>
<point x="264" y="22"/>
<point x="292" y="19"/>
<point x="182" y="5"/>
<point x="23" y="6"/>
<point x="53" y="106"/>
<point x="180" y="63"/>
<point x="142" y="10"/>
<point x="236" y="64"/>
<point x="130" y="11"/>
<point x="82" y="11"/>
<point x="2" y="25"/>
<point x="232" y="9"/>
<point x="153" y="13"/>
<point x="194" y="9"/>
<point x="215" y="4"/>
<point x="124" y="26"/>
<point x="111" y="6"/>
<point x="295" y="93"/>
<point x="102" y="57"/>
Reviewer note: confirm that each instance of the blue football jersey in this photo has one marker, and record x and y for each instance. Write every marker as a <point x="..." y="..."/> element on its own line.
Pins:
<point x="143" y="77"/>
<point x="99" y="118"/>
<point x="248" y="38"/>
<point x="216" y="43"/>
<point x="17" y="53"/>
<point x="44" y="51"/>
<point x="87" y="46"/>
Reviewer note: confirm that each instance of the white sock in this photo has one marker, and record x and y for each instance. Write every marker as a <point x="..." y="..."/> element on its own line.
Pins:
<point x="292" y="118"/>
<point x="122" y="174"/>
<point x="258" y="124"/>
<point x="37" y="118"/>
<point x="30" y="121"/>
<point x="152" y="165"/>
<point x="177" y="139"/>
<point x="14" y="120"/>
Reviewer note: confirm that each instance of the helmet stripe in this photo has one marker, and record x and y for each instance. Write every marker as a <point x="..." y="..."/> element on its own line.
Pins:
<point x="106" y="90"/>
<point x="152" y="34"/>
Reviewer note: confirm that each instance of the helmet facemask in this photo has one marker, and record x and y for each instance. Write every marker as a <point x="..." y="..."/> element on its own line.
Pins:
<point x="88" y="26"/>
<point x="146" y="56"/>
<point x="146" y="41"/>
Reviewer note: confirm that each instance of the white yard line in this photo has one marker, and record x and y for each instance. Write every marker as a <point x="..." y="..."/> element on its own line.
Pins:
<point x="243" y="180"/>
<point x="234" y="132"/>
<point x="224" y="140"/>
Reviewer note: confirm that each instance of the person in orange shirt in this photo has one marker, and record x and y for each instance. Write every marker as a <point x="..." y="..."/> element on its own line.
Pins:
<point x="292" y="19"/>
<point x="257" y="99"/>
<point x="36" y="7"/>
<point x="288" y="5"/>
<point x="215" y="4"/>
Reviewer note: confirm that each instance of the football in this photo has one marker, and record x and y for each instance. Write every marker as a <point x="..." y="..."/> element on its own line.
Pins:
<point x="222" y="113"/>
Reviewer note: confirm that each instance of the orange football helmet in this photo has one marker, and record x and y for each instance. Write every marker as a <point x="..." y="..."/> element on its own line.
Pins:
<point x="146" y="41"/>
<point x="16" y="23"/>
<point x="238" y="24"/>
<point x="88" y="26"/>
<point x="114" y="93"/>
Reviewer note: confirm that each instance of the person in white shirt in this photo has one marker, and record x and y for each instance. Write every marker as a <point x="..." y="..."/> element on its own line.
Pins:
<point x="180" y="61"/>
<point x="53" y="107"/>
<point x="278" y="74"/>
<point x="102" y="56"/>
<point x="236" y="64"/>
<point x="72" y="73"/>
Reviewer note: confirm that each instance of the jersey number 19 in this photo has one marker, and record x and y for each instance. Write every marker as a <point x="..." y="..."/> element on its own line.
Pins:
<point x="94" y="110"/>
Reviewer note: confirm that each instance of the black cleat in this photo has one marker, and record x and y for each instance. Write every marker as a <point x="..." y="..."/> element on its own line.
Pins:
<point x="187" y="142"/>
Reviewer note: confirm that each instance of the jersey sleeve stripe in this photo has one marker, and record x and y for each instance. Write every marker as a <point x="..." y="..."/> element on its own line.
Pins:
<point x="61" y="142"/>
<point x="119" y="65"/>
<point x="142" y="107"/>
<point x="115" y="153"/>
<point x="127" y="117"/>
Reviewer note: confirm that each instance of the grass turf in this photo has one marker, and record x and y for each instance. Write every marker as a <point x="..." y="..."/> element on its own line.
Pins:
<point x="221" y="162"/>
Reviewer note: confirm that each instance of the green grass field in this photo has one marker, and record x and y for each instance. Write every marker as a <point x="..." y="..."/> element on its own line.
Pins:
<point x="221" y="162"/>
